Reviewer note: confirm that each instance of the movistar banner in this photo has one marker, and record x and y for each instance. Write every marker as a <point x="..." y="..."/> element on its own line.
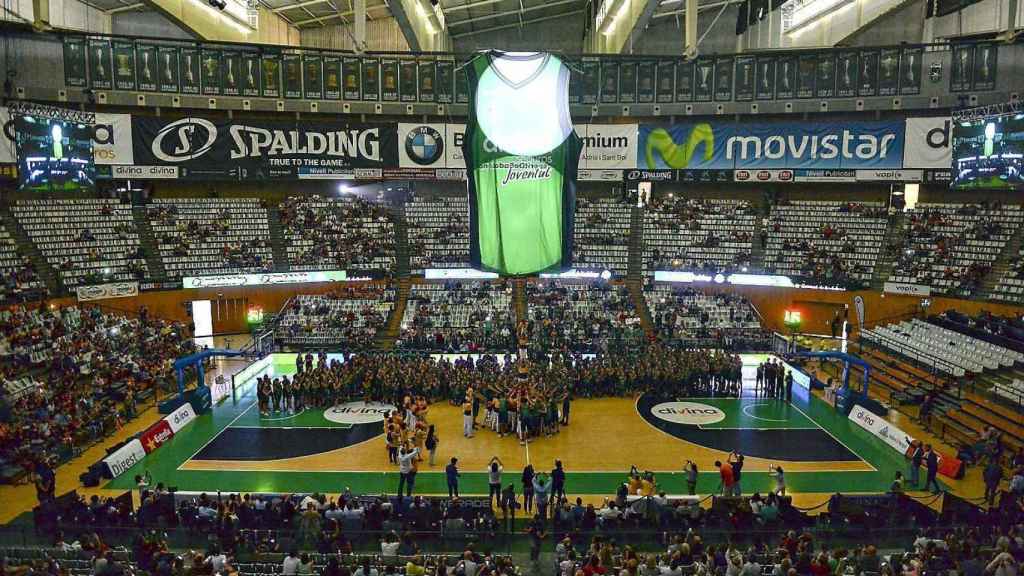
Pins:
<point x="809" y="145"/>
<point x="225" y="149"/>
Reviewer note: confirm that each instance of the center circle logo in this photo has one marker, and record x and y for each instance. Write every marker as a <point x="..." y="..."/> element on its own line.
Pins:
<point x="424" y="145"/>
<point x="358" y="413"/>
<point x="688" y="413"/>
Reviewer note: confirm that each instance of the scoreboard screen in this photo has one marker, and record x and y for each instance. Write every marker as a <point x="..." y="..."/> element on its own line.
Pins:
<point x="988" y="153"/>
<point x="54" y="155"/>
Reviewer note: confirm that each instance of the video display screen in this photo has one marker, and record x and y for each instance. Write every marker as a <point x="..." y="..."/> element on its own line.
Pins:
<point x="988" y="153"/>
<point x="54" y="155"/>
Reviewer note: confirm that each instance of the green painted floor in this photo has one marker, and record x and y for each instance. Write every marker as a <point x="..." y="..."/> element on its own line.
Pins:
<point x="238" y="410"/>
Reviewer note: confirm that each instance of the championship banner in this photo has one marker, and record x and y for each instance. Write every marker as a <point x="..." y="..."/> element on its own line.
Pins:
<point x="104" y="291"/>
<point x="124" y="458"/>
<point x="792" y="145"/>
<point x="227" y="149"/>
<point x="929" y="143"/>
<point x="155" y="436"/>
<point x="522" y="156"/>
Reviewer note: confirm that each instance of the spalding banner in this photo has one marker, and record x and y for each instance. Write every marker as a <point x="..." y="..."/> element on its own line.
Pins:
<point x="522" y="157"/>
<point x="224" y="149"/>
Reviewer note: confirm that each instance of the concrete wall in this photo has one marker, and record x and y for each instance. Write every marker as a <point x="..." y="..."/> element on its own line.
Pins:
<point x="64" y="14"/>
<point x="984" y="17"/>
<point x="904" y="23"/>
<point x="382" y="34"/>
<point x="558" y="34"/>
<point x="148" y="23"/>
<point x="665" y="35"/>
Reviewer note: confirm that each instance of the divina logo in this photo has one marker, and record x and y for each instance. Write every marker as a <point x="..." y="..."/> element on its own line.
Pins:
<point x="692" y="413"/>
<point x="358" y="413"/>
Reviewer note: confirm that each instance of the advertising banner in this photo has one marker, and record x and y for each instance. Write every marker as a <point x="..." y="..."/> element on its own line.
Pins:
<point x="239" y="149"/>
<point x="103" y="291"/>
<point x="890" y="175"/>
<point x="763" y="176"/>
<point x="155" y="436"/>
<point x="928" y="143"/>
<point x="881" y="428"/>
<point x="793" y="145"/>
<point x="908" y="289"/>
<point x="180" y="417"/>
<point x="221" y="280"/>
<point x="124" y="458"/>
<point x="828" y="175"/>
<point x="112" y="139"/>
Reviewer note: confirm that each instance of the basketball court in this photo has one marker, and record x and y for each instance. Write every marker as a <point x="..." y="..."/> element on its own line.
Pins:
<point x="328" y="450"/>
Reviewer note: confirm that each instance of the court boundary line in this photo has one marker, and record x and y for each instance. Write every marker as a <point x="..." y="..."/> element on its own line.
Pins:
<point x="636" y="408"/>
<point x="624" y="472"/>
<point x="829" y="432"/>
<point x="339" y="427"/>
<point x="219" y="432"/>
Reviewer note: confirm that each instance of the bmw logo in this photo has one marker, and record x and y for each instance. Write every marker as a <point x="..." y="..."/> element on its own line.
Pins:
<point x="424" y="145"/>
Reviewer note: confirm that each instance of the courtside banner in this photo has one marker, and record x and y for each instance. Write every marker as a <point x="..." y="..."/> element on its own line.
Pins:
<point x="881" y="428"/>
<point x="225" y="149"/>
<point x="124" y="458"/>
<point x="155" y="436"/>
<point x="180" y="418"/>
<point x="789" y="145"/>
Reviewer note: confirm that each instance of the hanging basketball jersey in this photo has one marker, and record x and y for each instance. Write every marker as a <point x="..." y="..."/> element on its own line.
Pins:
<point x="521" y="161"/>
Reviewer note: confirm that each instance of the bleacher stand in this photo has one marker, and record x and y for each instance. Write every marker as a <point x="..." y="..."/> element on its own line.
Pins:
<point x="945" y="350"/>
<point x="951" y="247"/>
<point x="89" y="241"/>
<point x="199" y="236"/>
<point x="829" y="243"/>
<point x="685" y="314"/>
<point x="438" y="230"/>
<point x="18" y="279"/>
<point x="698" y="235"/>
<point x="459" y="317"/>
<point x="1011" y="285"/>
<point x="351" y="317"/>
<point x="73" y="376"/>
<point x="346" y="233"/>
<point x="601" y="235"/>
<point x="581" y="316"/>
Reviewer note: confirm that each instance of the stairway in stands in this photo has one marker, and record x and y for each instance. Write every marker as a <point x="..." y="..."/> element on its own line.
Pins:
<point x="401" y="241"/>
<point x="1001" y="266"/>
<point x="895" y="233"/>
<point x="277" y="240"/>
<point x="49" y="276"/>
<point x="635" y="276"/>
<point x="757" y="250"/>
<point x="150" y="247"/>
<point x="393" y="326"/>
<point x="519" y="299"/>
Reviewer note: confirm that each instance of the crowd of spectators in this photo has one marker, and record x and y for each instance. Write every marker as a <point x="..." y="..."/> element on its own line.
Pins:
<point x="682" y="313"/>
<point x="19" y="281"/>
<point x="85" y="372"/>
<point x="580" y="317"/>
<point x="952" y="247"/>
<point x="459" y="317"/>
<point x="352" y="316"/>
<point x="215" y="234"/>
<point x="698" y="235"/>
<point x="338" y="233"/>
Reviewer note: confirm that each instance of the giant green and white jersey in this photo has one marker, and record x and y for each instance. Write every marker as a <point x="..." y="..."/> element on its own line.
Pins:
<point x="521" y="161"/>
